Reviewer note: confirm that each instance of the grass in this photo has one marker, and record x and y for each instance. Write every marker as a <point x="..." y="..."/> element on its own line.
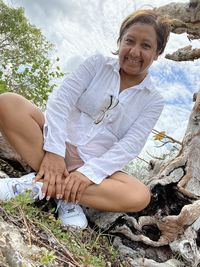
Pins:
<point x="83" y="248"/>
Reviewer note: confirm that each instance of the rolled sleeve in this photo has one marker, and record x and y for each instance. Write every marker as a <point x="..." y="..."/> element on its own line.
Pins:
<point x="61" y="102"/>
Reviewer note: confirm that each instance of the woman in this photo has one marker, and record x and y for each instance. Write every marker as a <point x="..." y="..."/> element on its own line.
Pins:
<point x="95" y="123"/>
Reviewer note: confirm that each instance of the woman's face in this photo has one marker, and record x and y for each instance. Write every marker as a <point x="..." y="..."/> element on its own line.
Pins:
<point x="138" y="50"/>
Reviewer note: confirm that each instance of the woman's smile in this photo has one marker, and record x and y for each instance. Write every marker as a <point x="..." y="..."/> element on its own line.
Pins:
<point x="137" y="51"/>
<point x="133" y="61"/>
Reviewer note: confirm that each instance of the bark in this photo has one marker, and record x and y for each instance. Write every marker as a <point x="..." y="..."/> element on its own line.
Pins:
<point x="185" y="18"/>
<point x="185" y="54"/>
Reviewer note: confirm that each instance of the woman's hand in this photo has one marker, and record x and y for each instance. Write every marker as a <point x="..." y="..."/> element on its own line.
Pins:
<point x="74" y="186"/>
<point x="52" y="169"/>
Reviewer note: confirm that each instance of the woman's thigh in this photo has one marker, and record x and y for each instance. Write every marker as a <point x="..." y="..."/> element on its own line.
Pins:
<point x="125" y="178"/>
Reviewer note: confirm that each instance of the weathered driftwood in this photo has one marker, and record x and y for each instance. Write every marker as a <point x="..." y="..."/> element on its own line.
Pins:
<point x="170" y="225"/>
<point x="185" y="19"/>
<point x="186" y="53"/>
<point x="10" y="162"/>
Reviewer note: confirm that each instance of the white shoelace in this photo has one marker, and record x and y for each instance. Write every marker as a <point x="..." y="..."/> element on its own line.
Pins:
<point x="65" y="207"/>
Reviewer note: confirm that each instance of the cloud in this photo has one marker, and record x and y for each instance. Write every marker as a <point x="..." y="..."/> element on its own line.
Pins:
<point x="80" y="28"/>
<point x="177" y="81"/>
<point x="51" y="10"/>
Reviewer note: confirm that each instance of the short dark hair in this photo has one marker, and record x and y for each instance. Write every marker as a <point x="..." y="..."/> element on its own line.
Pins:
<point x="161" y="24"/>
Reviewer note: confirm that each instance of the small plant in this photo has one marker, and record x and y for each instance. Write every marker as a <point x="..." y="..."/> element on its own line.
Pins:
<point x="89" y="247"/>
<point x="48" y="257"/>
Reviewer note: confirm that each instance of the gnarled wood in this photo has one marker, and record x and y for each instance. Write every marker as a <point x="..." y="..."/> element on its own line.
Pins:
<point x="185" y="19"/>
<point x="185" y="54"/>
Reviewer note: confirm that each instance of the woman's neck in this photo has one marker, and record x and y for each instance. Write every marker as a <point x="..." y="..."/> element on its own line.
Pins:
<point x="127" y="81"/>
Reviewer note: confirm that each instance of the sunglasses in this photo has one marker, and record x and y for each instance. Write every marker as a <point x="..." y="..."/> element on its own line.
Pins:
<point x="113" y="102"/>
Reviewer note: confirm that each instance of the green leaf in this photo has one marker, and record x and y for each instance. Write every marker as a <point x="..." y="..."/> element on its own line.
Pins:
<point x="24" y="44"/>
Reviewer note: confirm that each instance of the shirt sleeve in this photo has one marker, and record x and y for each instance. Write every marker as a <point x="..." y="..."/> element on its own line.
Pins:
<point x="61" y="102"/>
<point x="126" y="149"/>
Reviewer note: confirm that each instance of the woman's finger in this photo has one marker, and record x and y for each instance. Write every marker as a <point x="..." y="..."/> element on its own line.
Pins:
<point x="74" y="191"/>
<point x="51" y="186"/>
<point x="39" y="176"/>
<point x="66" y="180"/>
<point x="65" y="173"/>
<point x="80" y="191"/>
<point x="47" y="178"/>
<point x="58" y="186"/>
<point x="68" y="189"/>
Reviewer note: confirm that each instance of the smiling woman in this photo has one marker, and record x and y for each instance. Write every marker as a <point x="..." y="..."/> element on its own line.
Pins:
<point x="142" y="38"/>
<point x="137" y="51"/>
<point x="95" y="123"/>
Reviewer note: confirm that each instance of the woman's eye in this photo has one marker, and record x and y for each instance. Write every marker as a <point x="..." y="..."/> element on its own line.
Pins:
<point x="129" y="41"/>
<point x="147" y="46"/>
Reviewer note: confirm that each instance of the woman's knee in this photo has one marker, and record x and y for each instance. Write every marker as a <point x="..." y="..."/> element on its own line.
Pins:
<point x="133" y="194"/>
<point x="15" y="109"/>
<point x="13" y="106"/>
<point x="8" y="102"/>
<point x="10" y="106"/>
<point x="138" y="199"/>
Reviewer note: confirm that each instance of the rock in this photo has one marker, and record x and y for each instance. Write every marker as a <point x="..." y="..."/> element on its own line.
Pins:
<point x="14" y="251"/>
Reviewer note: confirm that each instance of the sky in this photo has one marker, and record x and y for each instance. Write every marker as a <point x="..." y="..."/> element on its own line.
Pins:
<point x="81" y="28"/>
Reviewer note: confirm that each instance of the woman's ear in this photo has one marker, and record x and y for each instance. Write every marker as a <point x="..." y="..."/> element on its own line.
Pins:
<point x="156" y="56"/>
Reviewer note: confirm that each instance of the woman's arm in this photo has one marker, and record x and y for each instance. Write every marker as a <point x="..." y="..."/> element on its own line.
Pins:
<point x="127" y="148"/>
<point x="57" y="116"/>
<point x="62" y="101"/>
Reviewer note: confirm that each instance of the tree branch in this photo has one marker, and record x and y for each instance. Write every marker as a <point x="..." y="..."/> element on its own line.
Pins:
<point x="185" y="54"/>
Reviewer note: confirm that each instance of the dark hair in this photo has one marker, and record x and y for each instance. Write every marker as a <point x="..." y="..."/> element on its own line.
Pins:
<point x="161" y="24"/>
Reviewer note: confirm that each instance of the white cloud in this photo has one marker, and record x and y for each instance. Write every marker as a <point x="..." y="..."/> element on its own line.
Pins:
<point x="80" y="28"/>
<point x="176" y="41"/>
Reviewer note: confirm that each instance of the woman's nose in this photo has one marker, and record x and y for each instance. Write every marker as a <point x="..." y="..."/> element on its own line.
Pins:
<point x="135" y="50"/>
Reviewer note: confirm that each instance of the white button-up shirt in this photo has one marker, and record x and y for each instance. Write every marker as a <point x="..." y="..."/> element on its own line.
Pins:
<point x="119" y="137"/>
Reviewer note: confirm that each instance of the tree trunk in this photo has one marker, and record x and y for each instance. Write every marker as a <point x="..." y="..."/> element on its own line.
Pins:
<point x="185" y="19"/>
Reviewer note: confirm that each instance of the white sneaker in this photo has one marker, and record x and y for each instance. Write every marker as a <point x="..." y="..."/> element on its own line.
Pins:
<point x="71" y="215"/>
<point x="12" y="187"/>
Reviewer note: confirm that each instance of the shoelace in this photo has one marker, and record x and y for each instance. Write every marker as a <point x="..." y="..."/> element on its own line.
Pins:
<point x="66" y="207"/>
<point x="36" y="192"/>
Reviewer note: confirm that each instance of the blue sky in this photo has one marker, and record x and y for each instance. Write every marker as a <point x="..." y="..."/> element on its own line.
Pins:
<point x="81" y="28"/>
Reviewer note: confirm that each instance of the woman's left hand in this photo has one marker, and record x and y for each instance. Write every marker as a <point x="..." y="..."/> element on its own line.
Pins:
<point x="74" y="186"/>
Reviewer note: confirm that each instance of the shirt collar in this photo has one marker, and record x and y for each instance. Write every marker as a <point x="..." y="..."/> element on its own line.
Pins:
<point x="145" y="84"/>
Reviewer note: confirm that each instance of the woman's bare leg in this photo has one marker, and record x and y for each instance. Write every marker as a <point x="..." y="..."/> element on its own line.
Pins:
<point x="21" y="123"/>
<point x="118" y="193"/>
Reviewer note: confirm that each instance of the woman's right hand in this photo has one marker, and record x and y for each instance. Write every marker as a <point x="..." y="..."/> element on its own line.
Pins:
<point x="52" y="169"/>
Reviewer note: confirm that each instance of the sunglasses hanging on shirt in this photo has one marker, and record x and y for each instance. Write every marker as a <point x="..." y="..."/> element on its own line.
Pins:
<point x="113" y="102"/>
